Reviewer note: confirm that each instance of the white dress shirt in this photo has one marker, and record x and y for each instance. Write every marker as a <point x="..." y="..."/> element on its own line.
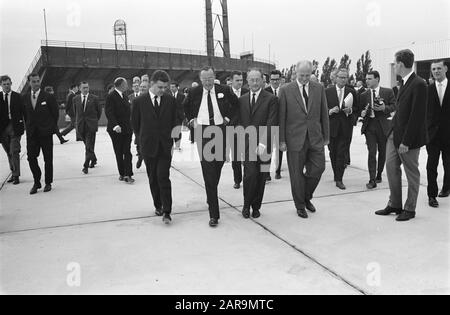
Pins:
<point x="120" y="93"/>
<point x="82" y="99"/>
<point x="34" y="99"/>
<point x="301" y="93"/>
<point x="238" y="93"/>
<point x="203" y="114"/>
<point x="443" y="85"/>
<point x="158" y="99"/>
<point x="406" y="77"/>
<point x="9" y="103"/>
<point x="275" y="91"/>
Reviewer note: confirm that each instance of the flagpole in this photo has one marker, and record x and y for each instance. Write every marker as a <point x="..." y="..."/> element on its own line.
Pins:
<point x="45" y="25"/>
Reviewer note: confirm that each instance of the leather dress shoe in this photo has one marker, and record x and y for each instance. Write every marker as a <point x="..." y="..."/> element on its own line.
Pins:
<point x="302" y="213"/>
<point x="388" y="211"/>
<point x="371" y="185"/>
<point x="246" y="213"/>
<point x="379" y="179"/>
<point x="159" y="212"/>
<point x="129" y="180"/>
<point x="444" y="194"/>
<point x="167" y="219"/>
<point x="433" y="203"/>
<point x="121" y="178"/>
<point x="93" y="164"/>
<point x="16" y="180"/>
<point x="35" y="188"/>
<point x="213" y="222"/>
<point x="85" y="171"/>
<point x="139" y="163"/>
<point x="340" y="185"/>
<point x="237" y="186"/>
<point x="406" y="216"/>
<point x="278" y="176"/>
<point x="256" y="214"/>
<point x="310" y="207"/>
<point x="63" y="141"/>
<point x="11" y="180"/>
<point x="47" y="188"/>
<point x="268" y="178"/>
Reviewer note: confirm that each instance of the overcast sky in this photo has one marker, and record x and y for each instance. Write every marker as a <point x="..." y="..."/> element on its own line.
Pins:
<point x="294" y="29"/>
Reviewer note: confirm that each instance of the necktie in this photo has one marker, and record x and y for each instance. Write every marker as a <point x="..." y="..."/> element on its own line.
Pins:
<point x="210" y="109"/>
<point x="341" y="98"/>
<point x="275" y="92"/>
<point x="253" y="101"/>
<point x="305" y="96"/>
<point x="157" y="108"/>
<point x="7" y="105"/>
<point x="441" y="93"/>
<point x="34" y="100"/>
<point x="84" y="103"/>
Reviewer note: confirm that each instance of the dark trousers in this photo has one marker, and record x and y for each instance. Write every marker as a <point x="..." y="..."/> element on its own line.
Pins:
<point x="191" y="135"/>
<point x="280" y="162"/>
<point x="304" y="184"/>
<point x="89" y="143"/>
<point x="122" y="150"/>
<point x="254" y="185"/>
<point x="35" y="144"/>
<point x="11" y="145"/>
<point x="236" y="163"/>
<point x="339" y="155"/>
<point x="211" y="168"/>
<point x="158" y="171"/>
<point x="435" y="149"/>
<point x="70" y="127"/>
<point x="376" y="142"/>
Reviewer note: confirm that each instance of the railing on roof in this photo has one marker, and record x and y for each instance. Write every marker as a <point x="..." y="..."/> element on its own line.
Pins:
<point x="30" y="69"/>
<point x="72" y="44"/>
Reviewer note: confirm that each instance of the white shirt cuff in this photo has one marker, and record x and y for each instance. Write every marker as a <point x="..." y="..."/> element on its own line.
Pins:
<point x="116" y="127"/>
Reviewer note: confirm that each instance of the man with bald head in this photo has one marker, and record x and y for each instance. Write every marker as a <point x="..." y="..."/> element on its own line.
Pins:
<point x="304" y="132"/>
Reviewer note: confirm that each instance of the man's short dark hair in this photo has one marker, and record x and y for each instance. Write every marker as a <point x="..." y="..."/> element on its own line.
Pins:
<point x="375" y="74"/>
<point x="118" y="82"/>
<point x="83" y="82"/>
<point x="236" y="73"/>
<point x="438" y="61"/>
<point x="48" y="89"/>
<point x="175" y="83"/>
<point x="160" y="75"/>
<point x="109" y="86"/>
<point x="276" y="72"/>
<point x="33" y="75"/>
<point x="405" y="56"/>
<point x="4" y="78"/>
<point x="74" y="86"/>
<point x="208" y="68"/>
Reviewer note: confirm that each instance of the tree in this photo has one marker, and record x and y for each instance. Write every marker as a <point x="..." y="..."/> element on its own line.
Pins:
<point x="345" y="62"/>
<point x="363" y="66"/>
<point x="328" y="67"/>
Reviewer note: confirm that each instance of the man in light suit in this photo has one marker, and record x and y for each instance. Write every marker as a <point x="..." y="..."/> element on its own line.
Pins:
<point x="209" y="108"/>
<point x="376" y="105"/>
<point x="154" y="118"/>
<point x="11" y="126"/>
<point x="304" y="132"/>
<point x="408" y="135"/>
<point x="439" y="132"/>
<point x="258" y="110"/>
<point x="88" y="112"/>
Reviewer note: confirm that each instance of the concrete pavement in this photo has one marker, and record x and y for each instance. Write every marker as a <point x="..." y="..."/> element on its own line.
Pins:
<point x="104" y="233"/>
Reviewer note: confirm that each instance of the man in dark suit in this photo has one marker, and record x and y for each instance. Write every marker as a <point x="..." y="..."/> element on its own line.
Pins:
<point x="134" y="95"/>
<point x="179" y="97"/>
<point x="342" y="104"/>
<point x="118" y="113"/>
<point x="209" y="108"/>
<point x="274" y="88"/>
<point x="258" y="112"/>
<point x="304" y="133"/>
<point x="41" y="118"/>
<point x="439" y="132"/>
<point x="11" y="126"/>
<point x="154" y="119"/>
<point x="70" y="111"/>
<point x="237" y="81"/>
<point x="409" y="134"/>
<point x="376" y="106"/>
<point x="88" y="112"/>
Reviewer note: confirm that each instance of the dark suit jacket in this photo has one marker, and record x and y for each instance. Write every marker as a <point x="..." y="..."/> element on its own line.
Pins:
<point x="296" y="123"/>
<point x="118" y="112"/>
<point x="17" y="114"/>
<point x="228" y="105"/>
<point x="410" y="120"/>
<point x="42" y="120"/>
<point x="382" y="117"/>
<point x="438" y="116"/>
<point x="70" y="110"/>
<point x="87" y="120"/>
<point x="180" y="107"/>
<point x="155" y="132"/>
<point x="264" y="113"/>
<point x="340" y="121"/>
<point x="270" y="90"/>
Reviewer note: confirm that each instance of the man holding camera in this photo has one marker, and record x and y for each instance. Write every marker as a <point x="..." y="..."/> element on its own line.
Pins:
<point x="376" y="104"/>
